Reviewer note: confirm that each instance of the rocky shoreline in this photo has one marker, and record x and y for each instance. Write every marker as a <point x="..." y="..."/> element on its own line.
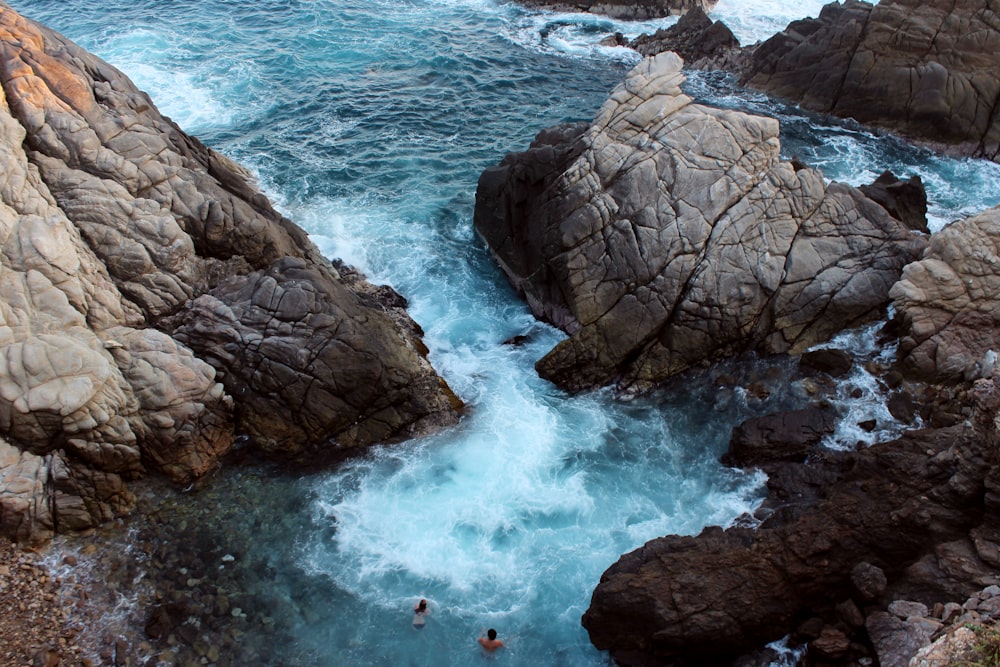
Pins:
<point x="156" y="307"/>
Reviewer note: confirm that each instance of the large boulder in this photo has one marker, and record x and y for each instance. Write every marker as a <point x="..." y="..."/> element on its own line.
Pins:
<point x="141" y="275"/>
<point x="668" y="233"/>
<point x="709" y="598"/>
<point x="947" y="304"/>
<point x="929" y="70"/>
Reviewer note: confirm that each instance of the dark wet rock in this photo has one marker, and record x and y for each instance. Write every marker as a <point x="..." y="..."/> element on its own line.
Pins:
<point x="832" y="644"/>
<point x="623" y="9"/>
<point x="905" y="200"/>
<point x="868" y="581"/>
<point x="668" y="234"/>
<point x="832" y="361"/>
<point x="702" y="43"/>
<point x="784" y="436"/>
<point x="850" y="615"/>
<point x="868" y="425"/>
<point x="133" y="240"/>
<point x="925" y="69"/>
<point x="901" y="406"/>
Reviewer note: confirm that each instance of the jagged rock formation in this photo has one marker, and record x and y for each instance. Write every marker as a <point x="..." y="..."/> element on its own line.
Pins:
<point x="153" y="304"/>
<point x="946" y="303"/>
<point x="702" y="43"/>
<point x="913" y="519"/>
<point x="927" y="70"/>
<point x="623" y="9"/>
<point x="669" y="233"/>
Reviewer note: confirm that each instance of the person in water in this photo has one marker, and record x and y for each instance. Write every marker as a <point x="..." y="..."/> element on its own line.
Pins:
<point x="420" y="611"/>
<point x="490" y="642"/>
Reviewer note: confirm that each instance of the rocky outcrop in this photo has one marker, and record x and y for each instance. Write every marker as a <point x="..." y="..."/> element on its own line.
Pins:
<point x="669" y="233"/>
<point x="784" y="436"/>
<point x="947" y="305"/>
<point x="702" y="43"/>
<point x="929" y="71"/>
<point x="623" y="9"/>
<point x="851" y="531"/>
<point x="153" y="305"/>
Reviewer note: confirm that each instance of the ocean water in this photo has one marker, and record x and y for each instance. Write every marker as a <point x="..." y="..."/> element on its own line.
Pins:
<point x="368" y="123"/>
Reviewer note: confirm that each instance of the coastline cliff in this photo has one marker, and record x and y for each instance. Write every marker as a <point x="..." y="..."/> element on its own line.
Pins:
<point x="154" y="306"/>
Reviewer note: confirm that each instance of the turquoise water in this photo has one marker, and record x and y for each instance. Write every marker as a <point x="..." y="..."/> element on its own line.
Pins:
<point x="368" y="123"/>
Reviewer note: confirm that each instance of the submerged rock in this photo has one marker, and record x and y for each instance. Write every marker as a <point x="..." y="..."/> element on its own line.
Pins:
<point x="668" y="233"/>
<point x="126" y="247"/>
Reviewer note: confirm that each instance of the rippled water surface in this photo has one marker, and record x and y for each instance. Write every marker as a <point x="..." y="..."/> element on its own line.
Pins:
<point x="368" y="123"/>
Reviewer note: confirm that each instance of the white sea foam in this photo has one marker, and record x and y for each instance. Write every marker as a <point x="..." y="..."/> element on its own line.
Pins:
<point x="756" y="20"/>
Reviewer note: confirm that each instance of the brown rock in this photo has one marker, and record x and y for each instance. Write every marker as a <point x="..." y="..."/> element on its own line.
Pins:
<point x="784" y="436"/>
<point x="925" y="69"/>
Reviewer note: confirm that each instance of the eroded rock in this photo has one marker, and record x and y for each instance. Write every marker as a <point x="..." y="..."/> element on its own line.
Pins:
<point x="927" y="70"/>
<point x="623" y="9"/>
<point x="669" y="233"/>
<point x="946" y="303"/>
<point x="115" y="227"/>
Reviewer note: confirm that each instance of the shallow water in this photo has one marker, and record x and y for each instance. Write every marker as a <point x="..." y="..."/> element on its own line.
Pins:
<point x="368" y="123"/>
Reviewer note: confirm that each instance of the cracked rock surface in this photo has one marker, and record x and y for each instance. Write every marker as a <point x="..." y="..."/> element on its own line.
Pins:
<point x="947" y="306"/>
<point x="667" y="233"/>
<point x="153" y="305"/>
<point x="927" y="70"/>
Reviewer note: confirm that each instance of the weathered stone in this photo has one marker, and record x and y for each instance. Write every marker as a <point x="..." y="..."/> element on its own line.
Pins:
<point x="953" y="648"/>
<point x="906" y="608"/>
<point x="895" y="641"/>
<point x="114" y="224"/>
<point x="702" y="43"/>
<point x="784" y="436"/>
<point x="947" y="303"/>
<point x="831" y="644"/>
<point x="904" y="200"/>
<point x="929" y="70"/>
<point x="710" y="597"/>
<point x="833" y="362"/>
<point x="673" y="234"/>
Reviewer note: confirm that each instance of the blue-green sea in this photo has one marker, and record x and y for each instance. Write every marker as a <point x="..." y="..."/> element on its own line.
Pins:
<point x="368" y="122"/>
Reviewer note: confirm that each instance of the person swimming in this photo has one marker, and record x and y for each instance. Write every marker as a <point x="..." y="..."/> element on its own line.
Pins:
<point x="420" y="611"/>
<point x="490" y="643"/>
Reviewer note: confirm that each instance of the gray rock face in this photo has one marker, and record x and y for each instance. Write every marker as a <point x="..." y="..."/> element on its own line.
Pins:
<point x="669" y="233"/>
<point x="623" y="9"/>
<point x="947" y="303"/>
<point x="927" y="70"/>
<point x="125" y="248"/>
